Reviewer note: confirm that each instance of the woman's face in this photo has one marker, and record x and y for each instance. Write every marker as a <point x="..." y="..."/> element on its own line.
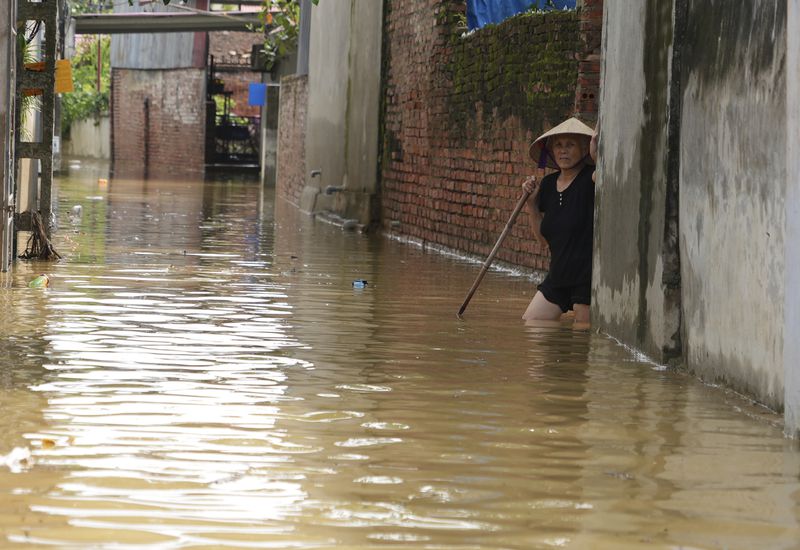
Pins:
<point x="569" y="150"/>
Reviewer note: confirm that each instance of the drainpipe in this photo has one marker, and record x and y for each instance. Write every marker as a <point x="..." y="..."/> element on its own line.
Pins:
<point x="146" y="137"/>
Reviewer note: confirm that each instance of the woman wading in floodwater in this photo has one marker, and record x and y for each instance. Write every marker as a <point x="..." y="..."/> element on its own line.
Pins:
<point x="563" y="210"/>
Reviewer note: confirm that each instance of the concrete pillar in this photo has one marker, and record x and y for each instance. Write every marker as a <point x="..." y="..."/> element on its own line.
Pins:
<point x="7" y="91"/>
<point x="343" y="109"/>
<point x="791" y="355"/>
<point x="304" y="37"/>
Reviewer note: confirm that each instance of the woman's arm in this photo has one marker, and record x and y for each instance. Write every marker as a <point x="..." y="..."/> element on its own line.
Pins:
<point x="593" y="148"/>
<point x="532" y="186"/>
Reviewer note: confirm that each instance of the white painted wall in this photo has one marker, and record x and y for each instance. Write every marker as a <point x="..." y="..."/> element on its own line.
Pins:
<point x="791" y="354"/>
<point x="89" y="138"/>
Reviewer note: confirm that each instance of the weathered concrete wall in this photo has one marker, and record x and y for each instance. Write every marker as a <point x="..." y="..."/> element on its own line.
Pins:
<point x="689" y="251"/>
<point x="343" y="107"/>
<point x="363" y="109"/>
<point x="327" y="100"/>
<point x="732" y="194"/>
<point x="89" y="138"/>
<point x="631" y="297"/>
<point x="290" y="178"/>
<point x="270" y="112"/>
<point x="791" y="356"/>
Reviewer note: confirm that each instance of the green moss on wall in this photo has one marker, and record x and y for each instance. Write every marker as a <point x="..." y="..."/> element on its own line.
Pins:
<point x="524" y="67"/>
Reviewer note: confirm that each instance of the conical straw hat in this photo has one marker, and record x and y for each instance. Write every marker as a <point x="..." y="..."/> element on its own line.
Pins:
<point x="569" y="126"/>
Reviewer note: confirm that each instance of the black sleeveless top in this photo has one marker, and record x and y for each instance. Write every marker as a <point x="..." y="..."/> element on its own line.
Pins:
<point x="567" y="226"/>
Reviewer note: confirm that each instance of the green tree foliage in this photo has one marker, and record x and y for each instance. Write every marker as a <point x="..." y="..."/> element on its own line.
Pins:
<point x="280" y="22"/>
<point x="87" y="101"/>
<point x="90" y="6"/>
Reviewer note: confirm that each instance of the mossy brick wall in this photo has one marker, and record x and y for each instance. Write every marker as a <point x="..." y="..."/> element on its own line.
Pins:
<point x="459" y="114"/>
<point x="291" y="163"/>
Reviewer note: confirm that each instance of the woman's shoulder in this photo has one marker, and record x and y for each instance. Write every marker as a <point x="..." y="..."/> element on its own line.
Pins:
<point x="550" y="179"/>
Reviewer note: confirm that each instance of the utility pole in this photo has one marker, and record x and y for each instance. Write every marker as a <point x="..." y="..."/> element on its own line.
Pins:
<point x="38" y="79"/>
<point x="8" y="61"/>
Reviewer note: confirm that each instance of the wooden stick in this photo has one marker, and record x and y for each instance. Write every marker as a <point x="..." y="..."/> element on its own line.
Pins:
<point x="492" y="254"/>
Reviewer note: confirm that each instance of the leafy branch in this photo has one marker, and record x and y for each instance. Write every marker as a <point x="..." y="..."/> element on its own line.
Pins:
<point x="86" y="101"/>
<point x="280" y="23"/>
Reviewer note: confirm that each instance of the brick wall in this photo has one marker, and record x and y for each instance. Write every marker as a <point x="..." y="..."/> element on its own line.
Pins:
<point x="587" y="92"/>
<point x="460" y="113"/>
<point x="172" y="142"/>
<point x="290" y="178"/>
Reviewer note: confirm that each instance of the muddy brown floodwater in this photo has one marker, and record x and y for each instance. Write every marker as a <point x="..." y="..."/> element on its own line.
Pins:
<point x="202" y="374"/>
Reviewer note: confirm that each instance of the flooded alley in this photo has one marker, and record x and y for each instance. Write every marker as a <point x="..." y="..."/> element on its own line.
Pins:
<point x="201" y="373"/>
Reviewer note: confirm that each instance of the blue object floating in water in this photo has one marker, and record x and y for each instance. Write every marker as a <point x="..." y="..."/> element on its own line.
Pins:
<point x="257" y="94"/>
<point x="359" y="283"/>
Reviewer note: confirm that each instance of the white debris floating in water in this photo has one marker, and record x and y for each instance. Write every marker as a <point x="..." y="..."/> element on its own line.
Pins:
<point x="18" y="460"/>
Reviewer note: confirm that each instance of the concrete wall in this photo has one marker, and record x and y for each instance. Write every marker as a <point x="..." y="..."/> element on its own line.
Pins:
<point x="732" y="194"/>
<point x="631" y="293"/>
<point x="791" y="357"/>
<point x="269" y="132"/>
<point x="689" y="251"/>
<point x="343" y="106"/>
<point x="90" y="138"/>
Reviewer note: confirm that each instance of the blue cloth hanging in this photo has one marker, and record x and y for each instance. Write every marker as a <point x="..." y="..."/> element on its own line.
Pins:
<point x="484" y="12"/>
<point x="257" y="94"/>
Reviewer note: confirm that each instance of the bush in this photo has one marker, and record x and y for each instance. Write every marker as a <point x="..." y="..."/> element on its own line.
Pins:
<point x="86" y="101"/>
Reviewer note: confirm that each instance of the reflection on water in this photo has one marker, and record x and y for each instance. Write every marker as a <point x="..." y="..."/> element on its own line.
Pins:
<point x="203" y="374"/>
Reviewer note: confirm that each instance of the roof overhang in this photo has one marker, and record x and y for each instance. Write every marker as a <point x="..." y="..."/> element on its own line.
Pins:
<point x="138" y="23"/>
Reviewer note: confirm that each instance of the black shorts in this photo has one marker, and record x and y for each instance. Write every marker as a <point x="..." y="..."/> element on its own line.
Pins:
<point x="566" y="297"/>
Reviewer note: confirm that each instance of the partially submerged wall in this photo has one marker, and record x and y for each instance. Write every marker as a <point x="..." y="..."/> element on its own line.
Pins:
<point x="158" y="122"/>
<point x="343" y="108"/>
<point x="791" y="357"/>
<point x="691" y="190"/>
<point x="89" y="138"/>
<point x="460" y="112"/>
<point x="158" y="111"/>
<point x="632" y="296"/>
<point x="290" y="175"/>
<point x="732" y="194"/>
